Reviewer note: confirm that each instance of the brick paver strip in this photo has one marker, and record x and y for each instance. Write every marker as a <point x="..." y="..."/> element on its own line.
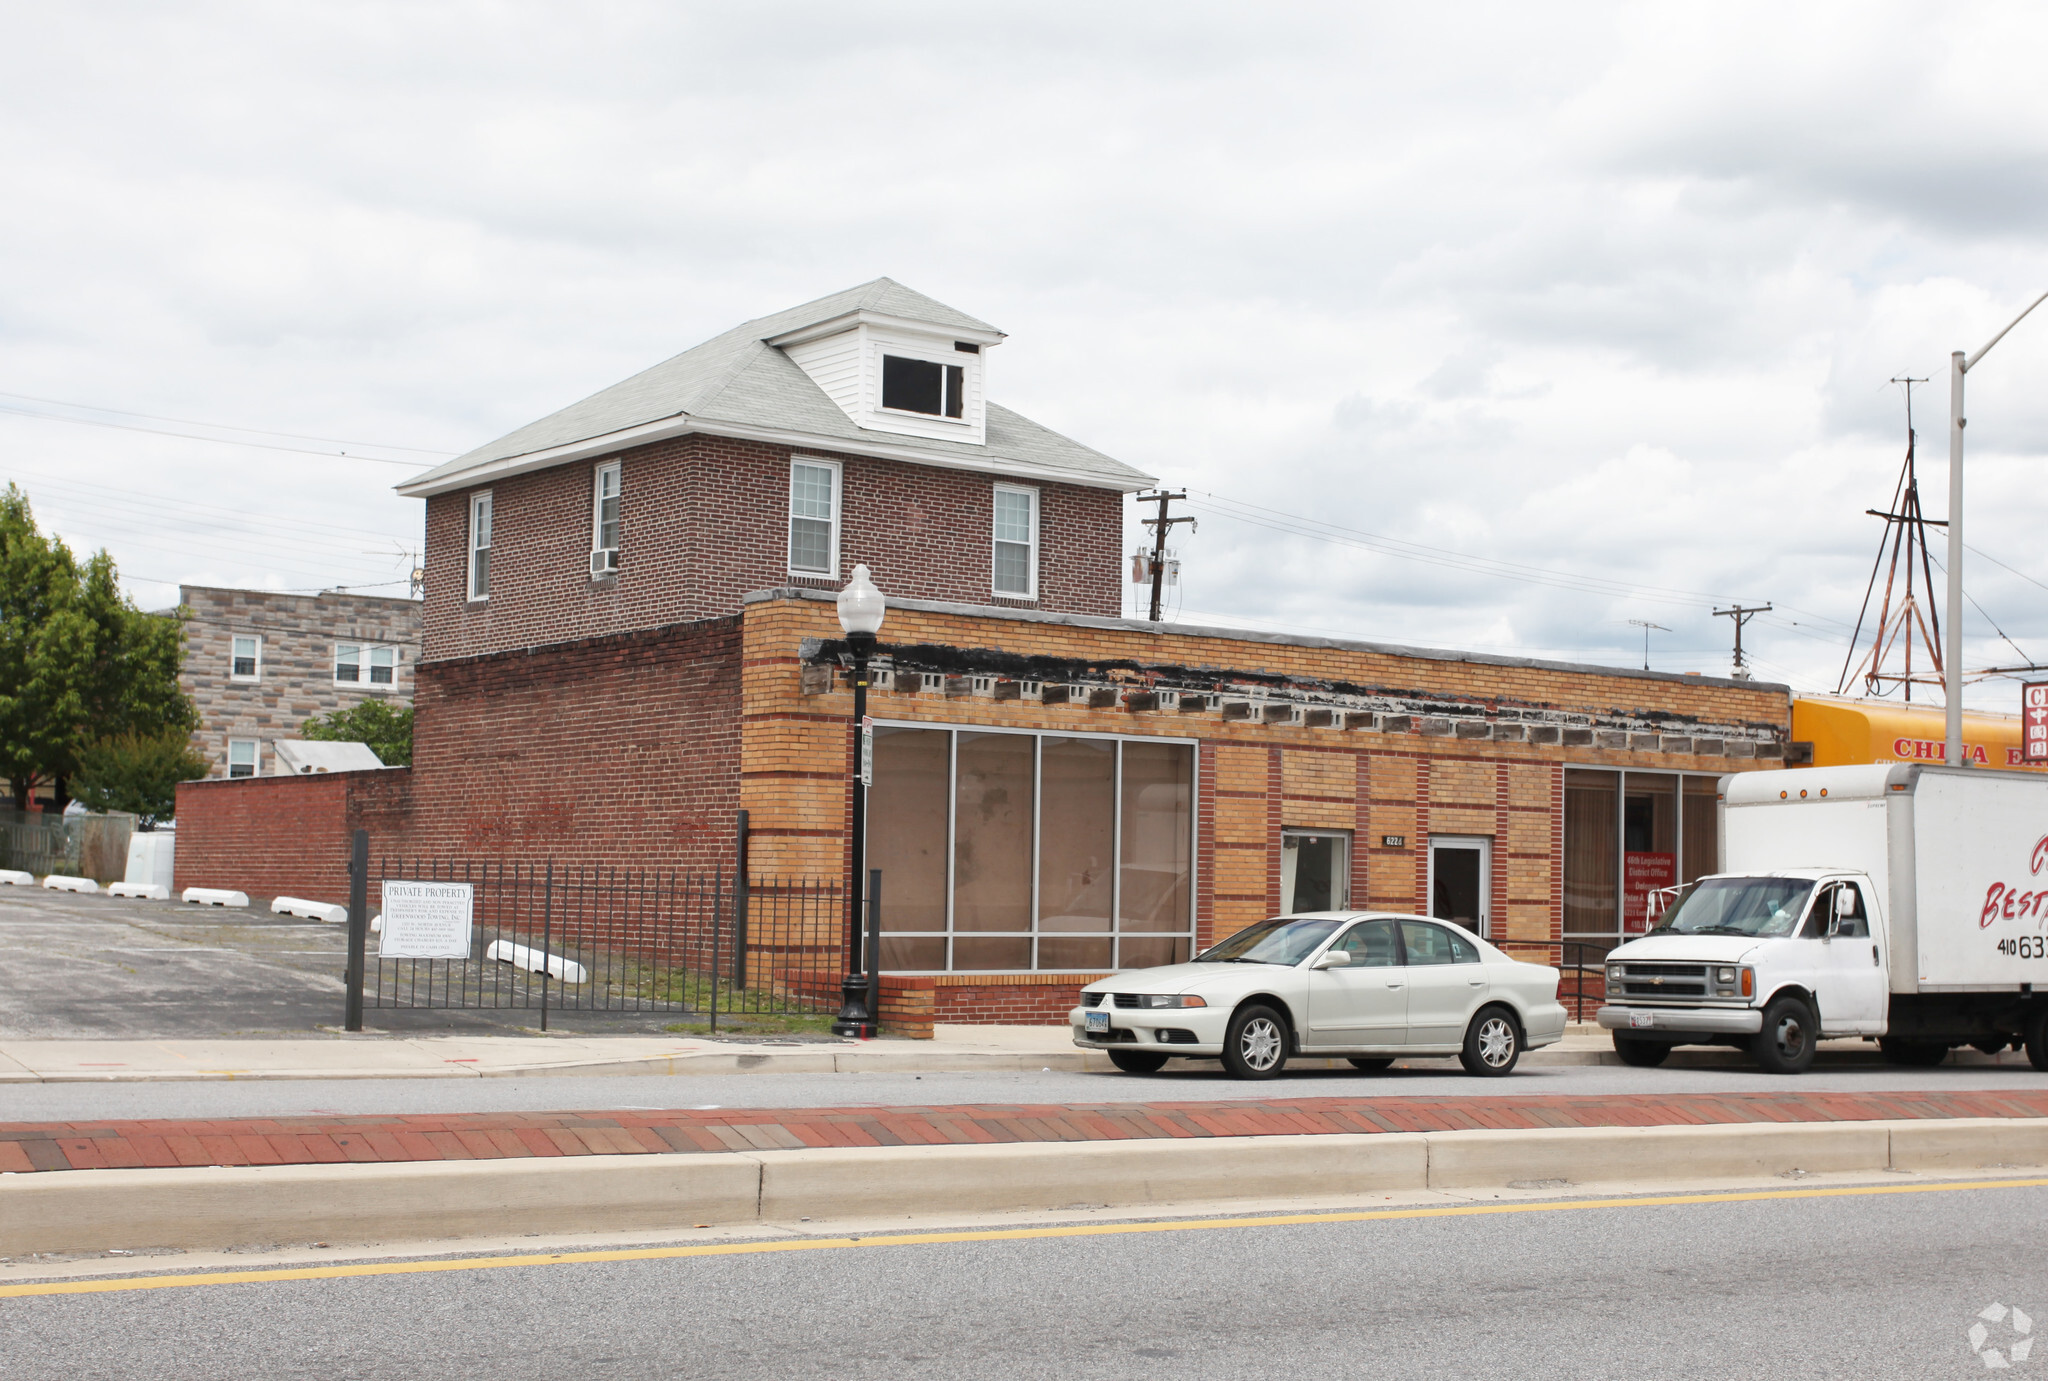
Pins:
<point x="27" y="1148"/>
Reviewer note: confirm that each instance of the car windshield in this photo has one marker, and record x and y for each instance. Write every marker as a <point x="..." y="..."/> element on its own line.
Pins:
<point x="1269" y="942"/>
<point x="1760" y="907"/>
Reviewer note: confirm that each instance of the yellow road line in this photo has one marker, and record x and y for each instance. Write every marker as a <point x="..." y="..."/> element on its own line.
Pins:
<point x="925" y="1239"/>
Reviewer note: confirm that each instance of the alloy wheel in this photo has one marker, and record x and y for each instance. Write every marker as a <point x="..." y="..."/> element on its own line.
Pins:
<point x="1496" y="1042"/>
<point x="1260" y="1043"/>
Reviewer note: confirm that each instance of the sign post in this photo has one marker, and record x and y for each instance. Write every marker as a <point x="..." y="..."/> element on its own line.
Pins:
<point x="2034" y="722"/>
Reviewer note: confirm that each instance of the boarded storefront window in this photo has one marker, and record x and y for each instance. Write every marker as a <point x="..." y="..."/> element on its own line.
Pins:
<point x="1020" y="851"/>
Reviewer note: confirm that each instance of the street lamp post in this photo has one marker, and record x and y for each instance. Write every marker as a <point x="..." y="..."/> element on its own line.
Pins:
<point x="1952" y="659"/>
<point x="860" y="616"/>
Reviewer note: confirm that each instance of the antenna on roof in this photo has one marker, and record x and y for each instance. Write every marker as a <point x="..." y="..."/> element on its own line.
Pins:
<point x="1905" y="532"/>
<point x="1646" y="626"/>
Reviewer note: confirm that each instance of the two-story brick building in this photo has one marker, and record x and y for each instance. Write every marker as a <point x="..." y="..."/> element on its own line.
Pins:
<point x="629" y="638"/>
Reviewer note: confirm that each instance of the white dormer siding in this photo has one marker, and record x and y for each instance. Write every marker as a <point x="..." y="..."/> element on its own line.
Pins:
<point x="845" y="359"/>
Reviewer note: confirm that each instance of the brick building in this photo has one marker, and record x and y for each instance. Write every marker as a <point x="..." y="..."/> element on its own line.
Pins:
<point x="629" y="638"/>
<point x="259" y="664"/>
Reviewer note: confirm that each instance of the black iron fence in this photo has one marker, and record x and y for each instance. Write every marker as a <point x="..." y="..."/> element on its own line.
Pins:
<point x="605" y="941"/>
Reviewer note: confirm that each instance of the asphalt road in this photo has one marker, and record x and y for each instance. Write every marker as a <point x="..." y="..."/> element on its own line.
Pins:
<point x="1870" y="1287"/>
<point x="70" y="1102"/>
<point x="111" y="967"/>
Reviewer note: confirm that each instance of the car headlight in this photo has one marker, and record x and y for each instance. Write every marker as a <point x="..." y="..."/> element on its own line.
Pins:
<point x="1614" y="973"/>
<point x="1724" y="976"/>
<point x="1173" y="1000"/>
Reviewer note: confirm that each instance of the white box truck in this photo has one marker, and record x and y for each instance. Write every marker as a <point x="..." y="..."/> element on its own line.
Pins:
<point x="1904" y="903"/>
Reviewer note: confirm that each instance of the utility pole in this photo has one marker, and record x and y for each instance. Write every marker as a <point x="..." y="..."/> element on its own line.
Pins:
<point x="1646" y="626"/>
<point x="1160" y="526"/>
<point x="1960" y="364"/>
<point x="1741" y="616"/>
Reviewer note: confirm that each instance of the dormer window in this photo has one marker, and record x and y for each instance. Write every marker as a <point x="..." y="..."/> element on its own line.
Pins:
<point x="922" y="386"/>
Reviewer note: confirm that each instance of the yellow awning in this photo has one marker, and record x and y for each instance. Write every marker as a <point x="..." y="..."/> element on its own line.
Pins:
<point x="1845" y="732"/>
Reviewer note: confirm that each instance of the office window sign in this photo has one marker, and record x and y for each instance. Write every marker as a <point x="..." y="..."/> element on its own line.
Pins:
<point x="426" y="920"/>
<point x="1642" y="874"/>
<point x="2034" y="722"/>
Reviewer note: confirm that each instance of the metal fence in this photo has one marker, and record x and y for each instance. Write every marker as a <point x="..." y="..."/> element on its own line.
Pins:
<point x="610" y="941"/>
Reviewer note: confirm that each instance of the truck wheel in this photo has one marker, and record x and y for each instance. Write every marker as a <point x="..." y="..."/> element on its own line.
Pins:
<point x="1493" y="1043"/>
<point x="1255" y="1046"/>
<point x="1912" y="1054"/>
<point x="1785" y="1044"/>
<point x="2037" y="1037"/>
<point x="1641" y="1054"/>
<point x="1138" y="1061"/>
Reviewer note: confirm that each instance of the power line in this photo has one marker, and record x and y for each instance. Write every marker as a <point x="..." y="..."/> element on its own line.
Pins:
<point x="217" y="440"/>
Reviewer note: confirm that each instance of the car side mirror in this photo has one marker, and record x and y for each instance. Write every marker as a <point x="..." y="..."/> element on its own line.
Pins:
<point x="1334" y="959"/>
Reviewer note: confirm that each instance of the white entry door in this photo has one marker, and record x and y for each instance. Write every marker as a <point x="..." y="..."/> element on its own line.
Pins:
<point x="1461" y="881"/>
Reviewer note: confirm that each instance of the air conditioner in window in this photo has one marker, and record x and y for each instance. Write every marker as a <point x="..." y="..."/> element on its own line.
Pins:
<point x="605" y="562"/>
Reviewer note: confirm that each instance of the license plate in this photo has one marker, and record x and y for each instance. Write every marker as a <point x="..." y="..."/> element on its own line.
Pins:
<point x="1638" y="1020"/>
<point x="1098" y="1023"/>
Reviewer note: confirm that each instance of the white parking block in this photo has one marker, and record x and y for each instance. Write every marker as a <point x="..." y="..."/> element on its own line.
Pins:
<point x="377" y="923"/>
<point x="311" y="910"/>
<point x="214" y="896"/>
<point x="57" y="882"/>
<point x="148" y="891"/>
<point x="14" y="877"/>
<point x="534" y="960"/>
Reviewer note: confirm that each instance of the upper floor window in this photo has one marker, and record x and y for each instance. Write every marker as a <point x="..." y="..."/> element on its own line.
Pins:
<point x="246" y="658"/>
<point x="604" y="515"/>
<point x="480" y="546"/>
<point x="814" y="518"/>
<point x="922" y="386"/>
<point x="243" y="755"/>
<point x="1016" y="541"/>
<point x="360" y="664"/>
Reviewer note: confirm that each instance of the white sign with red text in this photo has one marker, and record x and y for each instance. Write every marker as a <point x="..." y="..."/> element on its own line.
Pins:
<point x="2034" y="722"/>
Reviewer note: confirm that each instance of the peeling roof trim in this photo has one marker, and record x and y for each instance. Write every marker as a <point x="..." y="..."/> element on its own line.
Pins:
<point x="683" y="425"/>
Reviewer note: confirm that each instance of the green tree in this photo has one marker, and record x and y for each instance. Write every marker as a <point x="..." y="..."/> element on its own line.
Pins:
<point x="138" y="773"/>
<point x="385" y="726"/>
<point x="78" y="661"/>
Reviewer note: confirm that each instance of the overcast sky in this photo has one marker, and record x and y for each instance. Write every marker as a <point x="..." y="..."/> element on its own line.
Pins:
<point x="1612" y="293"/>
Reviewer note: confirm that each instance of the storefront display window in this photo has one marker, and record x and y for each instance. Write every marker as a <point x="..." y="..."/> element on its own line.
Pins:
<point x="1015" y="851"/>
<point x="1629" y="837"/>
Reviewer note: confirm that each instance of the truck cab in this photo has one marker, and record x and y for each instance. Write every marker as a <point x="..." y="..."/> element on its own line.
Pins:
<point x="1767" y="961"/>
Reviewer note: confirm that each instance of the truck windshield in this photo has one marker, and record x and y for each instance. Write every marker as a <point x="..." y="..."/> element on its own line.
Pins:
<point x="1761" y="907"/>
<point x="1269" y="942"/>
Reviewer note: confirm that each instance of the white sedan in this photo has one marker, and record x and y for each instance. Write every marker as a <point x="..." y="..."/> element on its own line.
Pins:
<point x="1364" y="985"/>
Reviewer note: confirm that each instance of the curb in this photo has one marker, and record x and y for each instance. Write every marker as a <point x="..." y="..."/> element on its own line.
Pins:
<point x="99" y="1210"/>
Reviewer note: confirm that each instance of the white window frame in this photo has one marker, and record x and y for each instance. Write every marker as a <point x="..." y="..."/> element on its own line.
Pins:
<point x="255" y="755"/>
<point x="1031" y="562"/>
<point x="479" y="503"/>
<point x="838" y="513"/>
<point x="256" y="675"/>
<point x="365" y="658"/>
<point x="613" y="470"/>
<point x="927" y="355"/>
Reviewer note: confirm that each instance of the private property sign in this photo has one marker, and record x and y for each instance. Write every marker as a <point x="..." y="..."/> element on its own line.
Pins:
<point x="2034" y="722"/>
<point x="426" y="920"/>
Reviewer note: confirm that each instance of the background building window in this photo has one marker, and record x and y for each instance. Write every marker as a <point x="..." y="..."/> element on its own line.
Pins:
<point x="480" y="546"/>
<point x="814" y="518"/>
<point x="922" y="386"/>
<point x="1628" y="836"/>
<point x="243" y="757"/>
<point x="604" y="518"/>
<point x="1315" y="871"/>
<point x="1016" y="542"/>
<point x="1014" y="851"/>
<point x="365" y="664"/>
<point x="246" y="658"/>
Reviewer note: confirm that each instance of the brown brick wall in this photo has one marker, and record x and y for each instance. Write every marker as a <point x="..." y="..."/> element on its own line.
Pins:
<point x="704" y="520"/>
<point x="286" y="836"/>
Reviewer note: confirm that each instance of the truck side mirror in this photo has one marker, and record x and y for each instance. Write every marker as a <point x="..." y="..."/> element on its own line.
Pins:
<point x="1845" y="902"/>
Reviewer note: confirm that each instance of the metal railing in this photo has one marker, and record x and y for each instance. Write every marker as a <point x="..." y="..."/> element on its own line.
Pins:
<point x="593" y="940"/>
<point x="1577" y="959"/>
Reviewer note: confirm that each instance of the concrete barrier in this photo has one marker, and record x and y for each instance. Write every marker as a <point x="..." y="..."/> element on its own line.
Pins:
<point x="14" y="877"/>
<point x="310" y="910"/>
<point x="97" y="1210"/>
<point x="214" y="896"/>
<point x="145" y="891"/>
<point x="534" y="960"/>
<point x="57" y="882"/>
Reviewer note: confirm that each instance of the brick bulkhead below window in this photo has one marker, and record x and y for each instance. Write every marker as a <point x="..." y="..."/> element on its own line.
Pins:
<point x="704" y="520"/>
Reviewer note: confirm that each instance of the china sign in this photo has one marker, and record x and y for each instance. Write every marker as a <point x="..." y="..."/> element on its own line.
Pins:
<point x="2034" y="722"/>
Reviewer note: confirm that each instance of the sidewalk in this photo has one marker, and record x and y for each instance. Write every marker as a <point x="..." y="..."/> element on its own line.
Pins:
<point x="953" y="1049"/>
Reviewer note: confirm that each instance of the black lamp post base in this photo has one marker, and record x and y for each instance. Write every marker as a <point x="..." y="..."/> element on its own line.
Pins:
<point x="854" y="1020"/>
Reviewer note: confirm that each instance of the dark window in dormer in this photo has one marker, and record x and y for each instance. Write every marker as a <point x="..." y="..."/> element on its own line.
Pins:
<point x="922" y="386"/>
<point x="966" y="347"/>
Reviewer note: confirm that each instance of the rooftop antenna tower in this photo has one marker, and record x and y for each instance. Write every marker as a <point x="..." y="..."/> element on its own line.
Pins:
<point x="1907" y="621"/>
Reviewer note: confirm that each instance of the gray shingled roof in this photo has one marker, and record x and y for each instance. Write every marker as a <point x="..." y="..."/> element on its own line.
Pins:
<point x="739" y="380"/>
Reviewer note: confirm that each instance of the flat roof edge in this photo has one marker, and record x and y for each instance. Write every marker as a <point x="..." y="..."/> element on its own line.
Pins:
<point x="1427" y="654"/>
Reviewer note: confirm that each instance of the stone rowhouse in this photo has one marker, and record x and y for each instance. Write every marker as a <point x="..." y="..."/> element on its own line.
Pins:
<point x="259" y="664"/>
<point x="629" y="638"/>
